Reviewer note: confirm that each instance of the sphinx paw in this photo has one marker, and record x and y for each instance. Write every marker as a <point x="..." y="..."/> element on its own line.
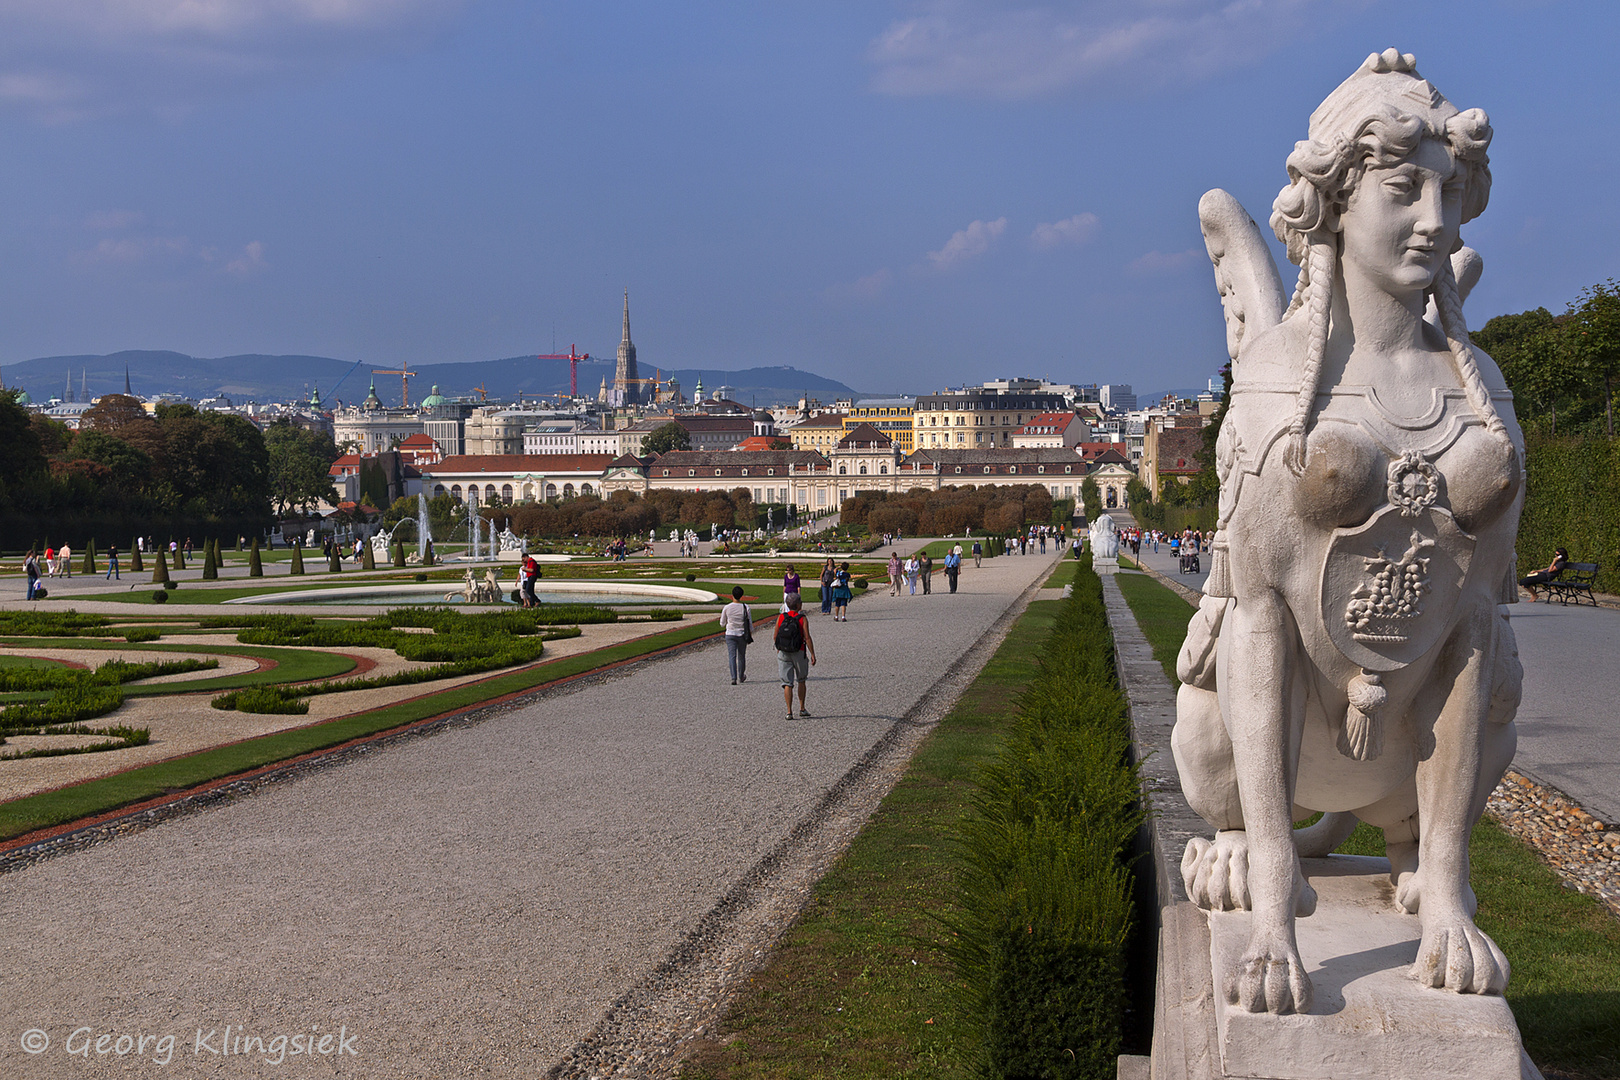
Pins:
<point x="1456" y="955"/>
<point x="1216" y="874"/>
<point x="1270" y="977"/>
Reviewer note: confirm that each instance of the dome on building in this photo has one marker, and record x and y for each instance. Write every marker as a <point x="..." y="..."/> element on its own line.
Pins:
<point x="432" y="399"/>
<point x="372" y="400"/>
<point x="23" y="398"/>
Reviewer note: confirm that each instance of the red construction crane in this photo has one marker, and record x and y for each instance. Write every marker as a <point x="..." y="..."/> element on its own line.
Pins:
<point x="573" y="356"/>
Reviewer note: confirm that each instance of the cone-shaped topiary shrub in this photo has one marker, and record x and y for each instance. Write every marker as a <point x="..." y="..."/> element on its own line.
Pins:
<point x="255" y="566"/>
<point x="368" y="560"/>
<point x="334" y="561"/>
<point x="399" y="553"/>
<point x="210" y="569"/>
<point x="135" y="564"/>
<point x="160" y="569"/>
<point x="297" y="560"/>
<point x="90" y="556"/>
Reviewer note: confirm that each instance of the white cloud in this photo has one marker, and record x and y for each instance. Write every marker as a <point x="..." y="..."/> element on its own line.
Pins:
<point x="1020" y="49"/>
<point x="250" y="261"/>
<point x="867" y="288"/>
<point x="65" y="59"/>
<point x="114" y="220"/>
<point x="968" y="243"/>
<point x="1074" y="230"/>
<point x="1158" y="262"/>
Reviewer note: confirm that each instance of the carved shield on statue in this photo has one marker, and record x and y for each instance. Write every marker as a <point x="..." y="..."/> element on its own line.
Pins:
<point x="1390" y="587"/>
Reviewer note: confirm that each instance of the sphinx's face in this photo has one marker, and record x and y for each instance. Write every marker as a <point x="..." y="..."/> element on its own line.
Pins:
<point x="1402" y="220"/>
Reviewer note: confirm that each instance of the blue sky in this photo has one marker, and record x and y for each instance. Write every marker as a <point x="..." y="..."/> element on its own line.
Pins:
<point x="900" y="195"/>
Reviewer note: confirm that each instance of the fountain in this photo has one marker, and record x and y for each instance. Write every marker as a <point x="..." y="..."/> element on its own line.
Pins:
<point x="424" y="534"/>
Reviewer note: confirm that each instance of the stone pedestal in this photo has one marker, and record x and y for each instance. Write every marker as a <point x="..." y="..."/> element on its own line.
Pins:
<point x="1370" y="1019"/>
<point x="1104" y="565"/>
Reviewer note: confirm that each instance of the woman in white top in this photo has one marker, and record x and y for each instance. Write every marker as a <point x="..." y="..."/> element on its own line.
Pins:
<point x="738" y="623"/>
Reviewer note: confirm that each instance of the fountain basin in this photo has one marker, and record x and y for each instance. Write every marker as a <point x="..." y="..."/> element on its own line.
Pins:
<point x="422" y="594"/>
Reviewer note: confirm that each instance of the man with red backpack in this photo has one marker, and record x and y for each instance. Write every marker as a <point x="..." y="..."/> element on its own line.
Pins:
<point x="795" y="652"/>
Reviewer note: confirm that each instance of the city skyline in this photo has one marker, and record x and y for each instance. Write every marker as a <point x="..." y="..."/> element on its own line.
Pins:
<point x="895" y="196"/>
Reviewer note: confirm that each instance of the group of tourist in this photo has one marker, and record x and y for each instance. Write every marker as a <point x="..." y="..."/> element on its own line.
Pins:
<point x="790" y="635"/>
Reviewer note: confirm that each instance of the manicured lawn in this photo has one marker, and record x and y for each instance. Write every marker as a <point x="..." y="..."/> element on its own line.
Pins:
<point x="859" y="987"/>
<point x="1564" y="946"/>
<point x="1161" y="614"/>
<point x="292" y="665"/>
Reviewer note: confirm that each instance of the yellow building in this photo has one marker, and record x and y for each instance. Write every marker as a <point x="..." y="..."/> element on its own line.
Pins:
<point x="819" y="432"/>
<point x="892" y="416"/>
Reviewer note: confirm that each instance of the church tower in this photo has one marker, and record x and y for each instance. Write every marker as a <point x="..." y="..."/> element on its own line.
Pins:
<point x="626" y="390"/>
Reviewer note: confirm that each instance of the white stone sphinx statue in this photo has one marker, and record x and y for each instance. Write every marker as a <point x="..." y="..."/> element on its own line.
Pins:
<point x="1351" y="654"/>
<point x="1104" y="545"/>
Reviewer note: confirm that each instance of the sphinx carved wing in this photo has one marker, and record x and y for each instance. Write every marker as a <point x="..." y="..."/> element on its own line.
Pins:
<point x="1466" y="267"/>
<point x="1251" y="291"/>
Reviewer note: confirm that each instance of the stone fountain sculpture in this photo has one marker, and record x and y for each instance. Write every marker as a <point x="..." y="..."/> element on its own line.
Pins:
<point x="1351" y="654"/>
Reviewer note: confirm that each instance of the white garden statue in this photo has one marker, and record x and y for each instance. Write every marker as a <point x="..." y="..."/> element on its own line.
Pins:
<point x="1104" y="538"/>
<point x="1351" y="654"/>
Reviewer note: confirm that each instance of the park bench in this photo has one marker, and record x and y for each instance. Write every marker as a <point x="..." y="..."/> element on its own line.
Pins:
<point x="1573" y="584"/>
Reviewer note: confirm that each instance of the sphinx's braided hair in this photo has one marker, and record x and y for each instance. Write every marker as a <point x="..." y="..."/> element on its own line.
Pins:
<point x="1306" y="218"/>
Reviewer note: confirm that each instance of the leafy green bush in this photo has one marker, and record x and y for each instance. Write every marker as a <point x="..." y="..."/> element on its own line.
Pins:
<point x="142" y="633"/>
<point x="262" y="699"/>
<point x="664" y="615"/>
<point x="50" y="624"/>
<point x="160" y="597"/>
<point x="1045" y="900"/>
<point x="1572" y="500"/>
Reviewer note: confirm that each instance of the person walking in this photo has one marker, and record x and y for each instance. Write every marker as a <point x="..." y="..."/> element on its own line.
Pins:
<point x="953" y="565"/>
<point x="738" y="622"/>
<point x="913" y="568"/>
<point x="795" y="653"/>
<point x="790" y="580"/>
<point x="112" y="563"/>
<point x="50" y="560"/>
<point x="31" y="568"/>
<point x="894" y="573"/>
<point x="926" y="569"/>
<point x="843" y="591"/>
<point x="530" y="571"/>
<point x="64" y="560"/>
<point x="978" y="554"/>
<point x="828" y="573"/>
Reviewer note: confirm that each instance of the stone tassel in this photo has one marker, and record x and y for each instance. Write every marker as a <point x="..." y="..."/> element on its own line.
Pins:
<point x="1362" y="737"/>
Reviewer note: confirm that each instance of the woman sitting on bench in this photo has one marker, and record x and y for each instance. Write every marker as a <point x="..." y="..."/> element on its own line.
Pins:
<point x="1559" y="564"/>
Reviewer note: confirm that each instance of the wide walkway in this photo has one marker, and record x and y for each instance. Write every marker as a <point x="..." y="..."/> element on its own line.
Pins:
<point x="473" y="902"/>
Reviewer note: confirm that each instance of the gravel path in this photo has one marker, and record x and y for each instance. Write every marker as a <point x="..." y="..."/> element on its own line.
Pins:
<point x="473" y="903"/>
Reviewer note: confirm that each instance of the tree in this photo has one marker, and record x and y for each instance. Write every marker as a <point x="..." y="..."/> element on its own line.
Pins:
<point x="780" y="443"/>
<point x="669" y="437"/>
<point x="1592" y="336"/>
<point x="24" y="458"/>
<point x="130" y="466"/>
<point x="300" y="463"/>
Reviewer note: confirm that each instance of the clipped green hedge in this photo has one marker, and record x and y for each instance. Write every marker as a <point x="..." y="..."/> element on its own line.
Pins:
<point x="1045" y="897"/>
<point x="1572" y="500"/>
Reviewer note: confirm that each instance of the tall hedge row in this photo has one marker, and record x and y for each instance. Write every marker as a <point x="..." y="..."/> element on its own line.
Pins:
<point x="1572" y="500"/>
<point x="1045" y="898"/>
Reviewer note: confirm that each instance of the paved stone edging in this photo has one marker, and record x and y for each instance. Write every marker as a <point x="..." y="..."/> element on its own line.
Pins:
<point x="1580" y="848"/>
<point x="646" y="1029"/>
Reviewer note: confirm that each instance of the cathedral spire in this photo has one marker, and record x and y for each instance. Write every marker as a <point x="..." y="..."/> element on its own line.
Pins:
<point x="127" y="392"/>
<point x="626" y="377"/>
